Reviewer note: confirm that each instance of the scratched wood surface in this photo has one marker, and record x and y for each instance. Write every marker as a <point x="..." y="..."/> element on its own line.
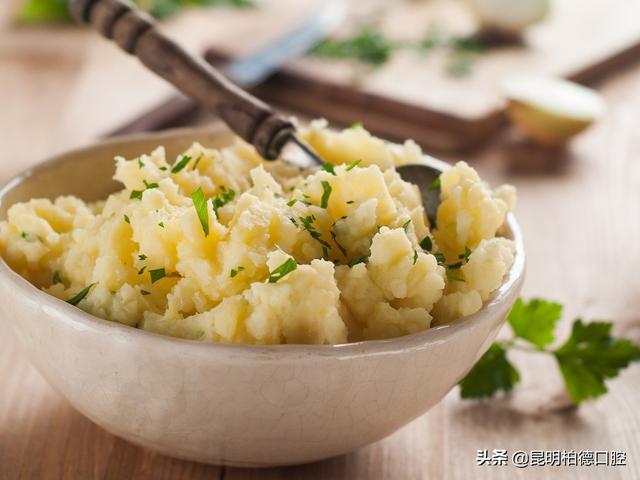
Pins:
<point x="581" y="219"/>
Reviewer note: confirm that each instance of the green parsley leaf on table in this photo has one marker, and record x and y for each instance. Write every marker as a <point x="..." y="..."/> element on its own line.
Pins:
<point x="535" y="321"/>
<point x="590" y="356"/>
<point x="586" y="359"/>
<point x="492" y="373"/>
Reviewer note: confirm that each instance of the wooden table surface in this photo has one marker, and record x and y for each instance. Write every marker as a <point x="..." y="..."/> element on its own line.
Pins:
<point x="581" y="221"/>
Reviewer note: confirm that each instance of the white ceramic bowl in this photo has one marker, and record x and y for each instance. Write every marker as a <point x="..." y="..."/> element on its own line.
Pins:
<point x="229" y="404"/>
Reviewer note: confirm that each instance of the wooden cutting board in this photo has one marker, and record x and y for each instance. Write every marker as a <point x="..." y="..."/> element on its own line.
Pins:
<point x="412" y="95"/>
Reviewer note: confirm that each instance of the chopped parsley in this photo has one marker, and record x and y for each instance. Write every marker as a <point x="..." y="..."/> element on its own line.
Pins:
<point x="307" y="224"/>
<point x="235" y="271"/>
<point x="163" y="168"/>
<point x="326" y="192"/>
<point x="184" y="161"/>
<point x="126" y="219"/>
<point x="350" y="202"/>
<point x="199" y="334"/>
<point x="292" y="202"/>
<point x="148" y="185"/>
<point x="415" y="256"/>
<point x="141" y="271"/>
<point x="353" y="165"/>
<point x="30" y="237"/>
<point x="328" y="167"/>
<point x="405" y="225"/>
<point x="356" y="261"/>
<point x="57" y="278"/>
<point x="454" y="276"/>
<point x="157" y="274"/>
<point x="455" y="266"/>
<point x="293" y="220"/>
<point x="140" y="163"/>
<point x="356" y="125"/>
<point x="465" y="256"/>
<point x="142" y="257"/>
<point x="136" y="194"/>
<point x="287" y="267"/>
<point x="161" y="224"/>
<point x="340" y="247"/>
<point x="195" y="165"/>
<point x="426" y="243"/>
<point x="224" y="197"/>
<point x="144" y="292"/>
<point x="75" y="300"/>
<point x="440" y="258"/>
<point x="200" y="204"/>
<point x="435" y="185"/>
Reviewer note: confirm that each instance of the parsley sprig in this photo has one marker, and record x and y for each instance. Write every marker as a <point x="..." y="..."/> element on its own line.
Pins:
<point x="589" y="357"/>
<point x="279" y="272"/>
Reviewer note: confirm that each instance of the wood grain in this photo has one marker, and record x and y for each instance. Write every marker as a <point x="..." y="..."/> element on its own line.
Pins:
<point x="579" y="210"/>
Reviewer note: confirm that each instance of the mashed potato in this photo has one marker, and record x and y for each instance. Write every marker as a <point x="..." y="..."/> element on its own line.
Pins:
<point x="221" y="246"/>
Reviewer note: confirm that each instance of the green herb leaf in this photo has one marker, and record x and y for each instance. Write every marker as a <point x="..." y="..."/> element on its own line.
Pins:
<point x="157" y="274"/>
<point x="356" y="261"/>
<point x="41" y="11"/>
<point x="328" y="167"/>
<point x="195" y="165"/>
<point x="235" y="271"/>
<point x="492" y="373"/>
<point x="144" y="292"/>
<point x="454" y="276"/>
<point x="440" y="258"/>
<point x="30" y="237"/>
<point x="350" y="202"/>
<point x="326" y="192"/>
<point x="161" y="224"/>
<point x="352" y="166"/>
<point x="200" y="204"/>
<point x="307" y="224"/>
<point x="405" y="225"/>
<point x="141" y="271"/>
<point x="136" y="194"/>
<point x="57" y="278"/>
<point x="465" y="256"/>
<point x="415" y="256"/>
<point x="126" y="219"/>
<point x="455" y="266"/>
<point x="287" y="267"/>
<point x="291" y="203"/>
<point x="367" y="46"/>
<point x="163" y="169"/>
<point x="435" y="185"/>
<point x="590" y="356"/>
<point x="426" y="243"/>
<point x="75" y="300"/>
<point x="142" y="257"/>
<point x="140" y="163"/>
<point x="340" y="247"/>
<point x="149" y="186"/>
<point x="199" y="334"/>
<point x="356" y="125"/>
<point x="535" y="321"/>
<point x="222" y="198"/>
<point x="184" y="161"/>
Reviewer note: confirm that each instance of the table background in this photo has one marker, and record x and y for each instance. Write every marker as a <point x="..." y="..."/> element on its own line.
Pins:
<point x="579" y="210"/>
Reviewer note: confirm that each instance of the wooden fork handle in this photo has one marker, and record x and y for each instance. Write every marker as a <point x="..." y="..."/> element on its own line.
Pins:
<point x="136" y="33"/>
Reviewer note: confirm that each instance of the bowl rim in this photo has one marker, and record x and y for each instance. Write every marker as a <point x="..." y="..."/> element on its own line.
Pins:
<point x="79" y="319"/>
